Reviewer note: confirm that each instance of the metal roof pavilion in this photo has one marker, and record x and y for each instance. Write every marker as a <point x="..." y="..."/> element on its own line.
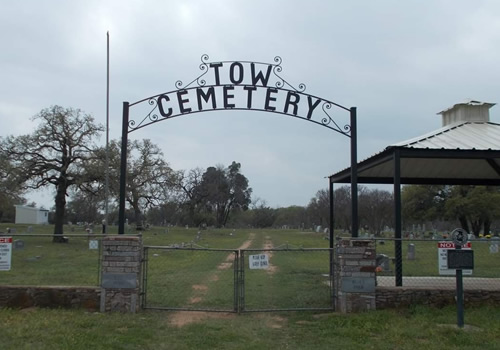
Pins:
<point x="460" y="153"/>
<point x="465" y="151"/>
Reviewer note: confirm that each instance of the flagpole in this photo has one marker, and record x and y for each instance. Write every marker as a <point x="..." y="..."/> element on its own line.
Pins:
<point x="107" y="138"/>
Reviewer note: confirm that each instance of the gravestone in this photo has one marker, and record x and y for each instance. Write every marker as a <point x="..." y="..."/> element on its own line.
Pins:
<point x="19" y="244"/>
<point x="494" y="248"/>
<point x="383" y="262"/>
<point x="411" y="252"/>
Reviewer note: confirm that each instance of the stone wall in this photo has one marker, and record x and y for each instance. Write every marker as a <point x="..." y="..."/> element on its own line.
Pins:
<point x="398" y="297"/>
<point x="51" y="297"/>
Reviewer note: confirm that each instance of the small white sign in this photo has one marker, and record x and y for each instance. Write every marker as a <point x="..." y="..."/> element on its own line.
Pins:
<point x="94" y="244"/>
<point x="443" y="248"/>
<point x="260" y="261"/>
<point x="5" y="253"/>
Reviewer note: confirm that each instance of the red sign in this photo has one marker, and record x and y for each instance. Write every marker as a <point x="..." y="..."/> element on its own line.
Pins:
<point x="5" y="239"/>
<point x="451" y="245"/>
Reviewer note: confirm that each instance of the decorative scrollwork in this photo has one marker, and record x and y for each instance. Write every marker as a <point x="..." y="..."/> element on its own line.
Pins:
<point x="326" y="121"/>
<point x="201" y="82"/>
<point x="281" y="83"/>
<point x="151" y="117"/>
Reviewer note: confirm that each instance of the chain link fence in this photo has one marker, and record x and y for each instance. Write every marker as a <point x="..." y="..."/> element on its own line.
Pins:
<point x="286" y="280"/>
<point x="424" y="264"/>
<point x="199" y="279"/>
<point x="184" y="278"/>
<point x="37" y="261"/>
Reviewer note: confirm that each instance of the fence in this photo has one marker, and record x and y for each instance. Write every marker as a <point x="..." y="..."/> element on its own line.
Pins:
<point x="293" y="279"/>
<point x="225" y="280"/>
<point x="424" y="264"/>
<point x="190" y="279"/>
<point x="36" y="260"/>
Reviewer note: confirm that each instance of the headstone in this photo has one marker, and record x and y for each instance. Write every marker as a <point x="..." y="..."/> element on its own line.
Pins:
<point x="494" y="248"/>
<point x="18" y="244"/>
<point x="383" y="261"/>
<point x="30" y="229"/>
<point x="411" y="252"/>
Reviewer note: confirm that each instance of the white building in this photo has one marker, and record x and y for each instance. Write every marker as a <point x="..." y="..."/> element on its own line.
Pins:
<point x="30" y="215"/>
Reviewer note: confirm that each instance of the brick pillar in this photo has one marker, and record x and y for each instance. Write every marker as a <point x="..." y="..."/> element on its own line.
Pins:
<point x="354" y="275"/>
<point x="120" y="273"/>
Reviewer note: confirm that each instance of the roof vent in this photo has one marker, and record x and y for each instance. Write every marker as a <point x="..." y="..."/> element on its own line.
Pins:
<point x="469" y="111"/>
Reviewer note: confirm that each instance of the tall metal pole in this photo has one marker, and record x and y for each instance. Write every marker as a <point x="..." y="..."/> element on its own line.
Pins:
<point x="106" y="186"/>
<point x="123" y="170"/>
<point x="354" y="174"/>
<point x="397" y="216"/>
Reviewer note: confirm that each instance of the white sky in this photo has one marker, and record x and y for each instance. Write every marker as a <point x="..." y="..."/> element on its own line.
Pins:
<point x="398" y="62"/>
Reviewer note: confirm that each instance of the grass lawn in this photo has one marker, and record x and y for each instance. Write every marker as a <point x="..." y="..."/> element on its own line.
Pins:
<point x="414" y="328"/>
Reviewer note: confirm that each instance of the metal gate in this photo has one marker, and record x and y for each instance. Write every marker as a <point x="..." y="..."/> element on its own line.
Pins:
<point x="224" y="280"/>
<point x="190" y="279"/>
<point x="286" y="280"/>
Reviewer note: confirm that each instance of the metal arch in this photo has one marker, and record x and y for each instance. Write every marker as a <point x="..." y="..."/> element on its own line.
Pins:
<point x="280" y="84"/>
<point x="153" y="116"/>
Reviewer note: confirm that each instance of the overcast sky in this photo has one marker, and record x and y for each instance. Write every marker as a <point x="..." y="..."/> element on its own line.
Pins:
<point x="398" y="62"/>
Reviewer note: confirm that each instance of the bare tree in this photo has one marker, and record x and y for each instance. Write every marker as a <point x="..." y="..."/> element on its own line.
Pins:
<point x="54" y="154"/>
<point x="149" y="177"/>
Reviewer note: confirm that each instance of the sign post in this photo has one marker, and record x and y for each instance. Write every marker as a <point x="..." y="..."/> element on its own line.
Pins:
<point x="5" y="253"/>
<point x="459" y="259"/>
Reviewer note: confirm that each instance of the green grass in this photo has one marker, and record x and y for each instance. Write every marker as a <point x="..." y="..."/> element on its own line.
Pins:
<point x="414" y="328"/>
<point x="173" y="274"/>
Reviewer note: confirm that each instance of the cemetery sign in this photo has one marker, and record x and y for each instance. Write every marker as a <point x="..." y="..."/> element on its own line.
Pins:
<point x="239" y="85"/>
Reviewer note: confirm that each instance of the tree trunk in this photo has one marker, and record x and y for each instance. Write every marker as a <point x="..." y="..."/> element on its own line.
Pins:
<point x="476" y="227"/>
<point x="487" y="226"/>
<point x="59" y="214"/>
<point x="463" y="222"/>
<point x="138" y="216"/>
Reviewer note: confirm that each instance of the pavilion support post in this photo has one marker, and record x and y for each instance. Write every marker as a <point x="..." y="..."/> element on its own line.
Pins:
<point x="123" y="170"/>
<point x="354" y="174"/>
<point x="332" y="214"/>
<point x="332" y="224"/>
<point x="397" y="218"/>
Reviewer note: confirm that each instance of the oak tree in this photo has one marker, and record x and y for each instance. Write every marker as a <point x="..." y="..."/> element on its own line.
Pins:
<point x="54" y="154"/>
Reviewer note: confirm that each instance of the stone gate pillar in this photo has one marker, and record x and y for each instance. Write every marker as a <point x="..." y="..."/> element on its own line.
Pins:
<point x="354" y="275"/>
<point x="120" y="273"/>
